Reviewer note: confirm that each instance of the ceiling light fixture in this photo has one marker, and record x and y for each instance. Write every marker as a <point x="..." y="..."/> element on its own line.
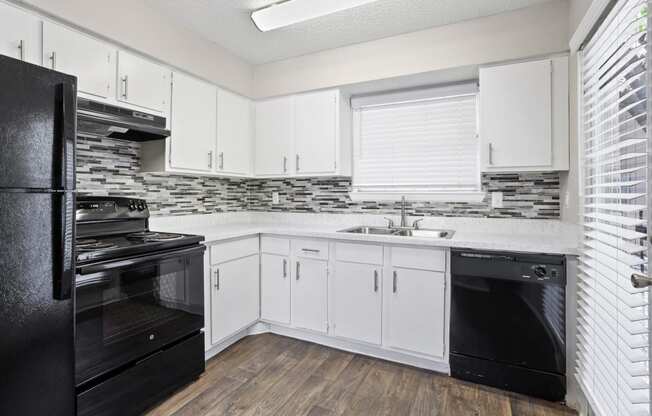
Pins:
<point x="295" y="11"/>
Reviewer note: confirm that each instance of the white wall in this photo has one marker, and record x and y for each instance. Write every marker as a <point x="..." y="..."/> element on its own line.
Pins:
<point x="537" y="30"/>
<point x="135" y="26"/>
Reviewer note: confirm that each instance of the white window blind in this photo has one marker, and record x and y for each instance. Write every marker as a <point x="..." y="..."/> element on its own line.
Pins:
<point x="613" y="316"/>
<point x="427" y="145"/>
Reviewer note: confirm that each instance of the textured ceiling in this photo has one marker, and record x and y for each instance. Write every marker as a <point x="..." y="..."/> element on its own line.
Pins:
<point x="228" y="23"/>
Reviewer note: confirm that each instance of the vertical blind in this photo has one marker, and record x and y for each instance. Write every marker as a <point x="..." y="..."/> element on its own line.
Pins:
<point x="428" y="145"/>
<point x="613" y="316"/>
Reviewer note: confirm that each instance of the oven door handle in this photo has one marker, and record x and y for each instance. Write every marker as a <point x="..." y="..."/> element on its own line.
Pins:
<point x="112" y="265"/>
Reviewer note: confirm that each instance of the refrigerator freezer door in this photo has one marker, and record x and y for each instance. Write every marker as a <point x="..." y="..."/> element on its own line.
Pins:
<point x="37" y="127"/>
<point x="37" y="329"/>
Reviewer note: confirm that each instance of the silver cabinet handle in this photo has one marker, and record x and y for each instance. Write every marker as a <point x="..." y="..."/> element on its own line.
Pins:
<point x="285" y="268"/>
<point x="640" y="281"/>
<point x="217" y="279"/>
<point x="298" y="270"/>
<point x="21" y="47"/>
<point x="125" y="87"/>
<point x="297" y="163"/>
<point x="53" y="59"/>
<point x="310" y="250"/>
<point x="394" y="282"/>
<point x="491" y="153"/>
<point x="221" y="160"/>
<point x="375" y="280"/>
<point x="285" y="164"/>
<point x="210" y="159"/>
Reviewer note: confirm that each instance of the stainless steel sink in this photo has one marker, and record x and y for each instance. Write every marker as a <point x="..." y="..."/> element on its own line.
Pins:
<point x="370" y="230"/>
<point x="401" y="232"/>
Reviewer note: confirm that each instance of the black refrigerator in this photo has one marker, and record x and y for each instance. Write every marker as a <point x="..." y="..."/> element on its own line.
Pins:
<point x="37" y="217"/>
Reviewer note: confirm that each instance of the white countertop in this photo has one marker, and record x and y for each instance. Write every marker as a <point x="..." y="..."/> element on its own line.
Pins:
<point x="534" y="236"/>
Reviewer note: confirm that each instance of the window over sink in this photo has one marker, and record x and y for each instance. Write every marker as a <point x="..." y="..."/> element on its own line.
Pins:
<point x="419" y="143"/>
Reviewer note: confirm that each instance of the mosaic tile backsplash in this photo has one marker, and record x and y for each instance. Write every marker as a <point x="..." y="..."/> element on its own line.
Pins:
<point x="112" y="167"/>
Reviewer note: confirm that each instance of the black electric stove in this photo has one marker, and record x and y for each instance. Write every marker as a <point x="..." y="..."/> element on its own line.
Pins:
<point x="139" y="308"/>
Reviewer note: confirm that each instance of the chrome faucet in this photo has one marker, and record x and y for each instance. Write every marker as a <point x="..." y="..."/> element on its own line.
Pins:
<point x="403" y="215"/>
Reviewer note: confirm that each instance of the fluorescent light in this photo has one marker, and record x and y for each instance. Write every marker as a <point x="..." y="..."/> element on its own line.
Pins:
<point x="295" y="11"/>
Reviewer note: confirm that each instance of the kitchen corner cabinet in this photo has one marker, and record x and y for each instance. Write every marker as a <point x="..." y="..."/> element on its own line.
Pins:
<point x="234" y="134"/>
<point x="91" y="61"/>
<point x="303" y="135"/>
<point x="193" y="124"/>
<point x="143" y="83"/>
<point x="274" y="133"/>
<point x="524" y="116"/>
<point x="20" y="34"/>
<point x="234" y="300"/>
<point x="275" y="288"/>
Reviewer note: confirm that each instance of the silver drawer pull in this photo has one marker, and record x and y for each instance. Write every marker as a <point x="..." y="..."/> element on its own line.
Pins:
<point x="394" y="282"/>
<point x="375" y="280"/>
<point x="21" y="46"/>
<point x="298" y="270"/>
<point x="217" y="279"/>
<point x="221" y="160"/>
<point x="310" y="250"/>
<point x="285" y="268"/>
<point x="53" y="58"/>
<point x="210" y="159"/>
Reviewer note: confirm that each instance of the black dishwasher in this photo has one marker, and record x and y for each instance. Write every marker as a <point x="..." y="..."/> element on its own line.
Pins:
<point x="508" y="321"/>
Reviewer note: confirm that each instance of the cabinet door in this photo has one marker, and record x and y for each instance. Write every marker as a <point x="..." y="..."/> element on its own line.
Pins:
<point x="90" y="60"/>
<point x="234" y="300"/>
<point x="516" y="115"/>
<point x="417" y="311"/>
<point x="20" y="34"/>
<point x="192" y="121"/>
<point x="275" y="288"/>
<point x="234" y="133"/>
<point x="309" y="300"/>
<point x="274" y="137"/>
<point x="357" y="301"/>
<point x="316" y="130"/>
<point x="143" y="83"/>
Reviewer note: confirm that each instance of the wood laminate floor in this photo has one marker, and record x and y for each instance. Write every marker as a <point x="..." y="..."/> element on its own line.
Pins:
<point x="273" y="375"/>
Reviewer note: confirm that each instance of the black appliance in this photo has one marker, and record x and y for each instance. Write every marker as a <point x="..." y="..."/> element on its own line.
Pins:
<point x="508" y="321"/>
<point x="37" y="185"/>
<point x="96" y="119"/>
<point x="139" y="308"/>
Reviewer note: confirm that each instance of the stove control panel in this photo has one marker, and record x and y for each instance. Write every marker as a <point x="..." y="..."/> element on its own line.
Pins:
<point x="110" y="208"/>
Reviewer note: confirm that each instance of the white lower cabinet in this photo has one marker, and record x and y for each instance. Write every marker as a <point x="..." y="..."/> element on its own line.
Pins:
<point x="275" y="292"/>
<point x="309" y="294"/>
<point x="416" y="308"/>
<point x="234" y="296"/>
<point x="357" y="301"/>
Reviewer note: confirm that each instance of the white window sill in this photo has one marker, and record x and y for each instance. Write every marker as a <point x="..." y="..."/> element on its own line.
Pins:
<point x="433" y="197"/>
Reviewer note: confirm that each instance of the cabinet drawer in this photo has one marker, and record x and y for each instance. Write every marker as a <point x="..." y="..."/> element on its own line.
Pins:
<point x="312" y="249"/>
<point x="419" y="258"/>
<point x="359" y="253"/>
<point x="234" y="249"/>
<point x="275" y="245"/>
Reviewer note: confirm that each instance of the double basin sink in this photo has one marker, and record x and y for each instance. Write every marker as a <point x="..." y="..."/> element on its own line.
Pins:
<point x="401" y="232"/>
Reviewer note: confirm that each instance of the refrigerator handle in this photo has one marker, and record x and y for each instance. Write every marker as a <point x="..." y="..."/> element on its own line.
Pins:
<point x="63" y="275"/>
<point x="67" y="134"/>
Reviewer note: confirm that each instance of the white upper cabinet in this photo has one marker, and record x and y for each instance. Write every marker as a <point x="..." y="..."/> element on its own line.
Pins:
<point x="274" y="137"/>
<point x="20" y="34"/>
<point x="91" y="61"/>
<point x="524" y="116"/>
<point x="316" y="130"/>
<point x="193" y="124"/>
<point x="143" y="83"/>
<point x="234" y="134"/>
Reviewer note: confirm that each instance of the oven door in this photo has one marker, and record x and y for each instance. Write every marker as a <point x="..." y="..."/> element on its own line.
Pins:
<point x="129" y="308"/>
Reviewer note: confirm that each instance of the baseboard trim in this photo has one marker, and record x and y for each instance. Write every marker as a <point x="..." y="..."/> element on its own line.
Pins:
<point x="257" y="328"/>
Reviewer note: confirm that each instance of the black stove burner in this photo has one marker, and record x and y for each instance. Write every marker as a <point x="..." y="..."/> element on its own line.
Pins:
<point x="89" y="244"/>
<point x="150" y="236"/>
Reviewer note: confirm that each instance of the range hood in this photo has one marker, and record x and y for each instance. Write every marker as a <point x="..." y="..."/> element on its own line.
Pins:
<point x="95" y="119"/>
